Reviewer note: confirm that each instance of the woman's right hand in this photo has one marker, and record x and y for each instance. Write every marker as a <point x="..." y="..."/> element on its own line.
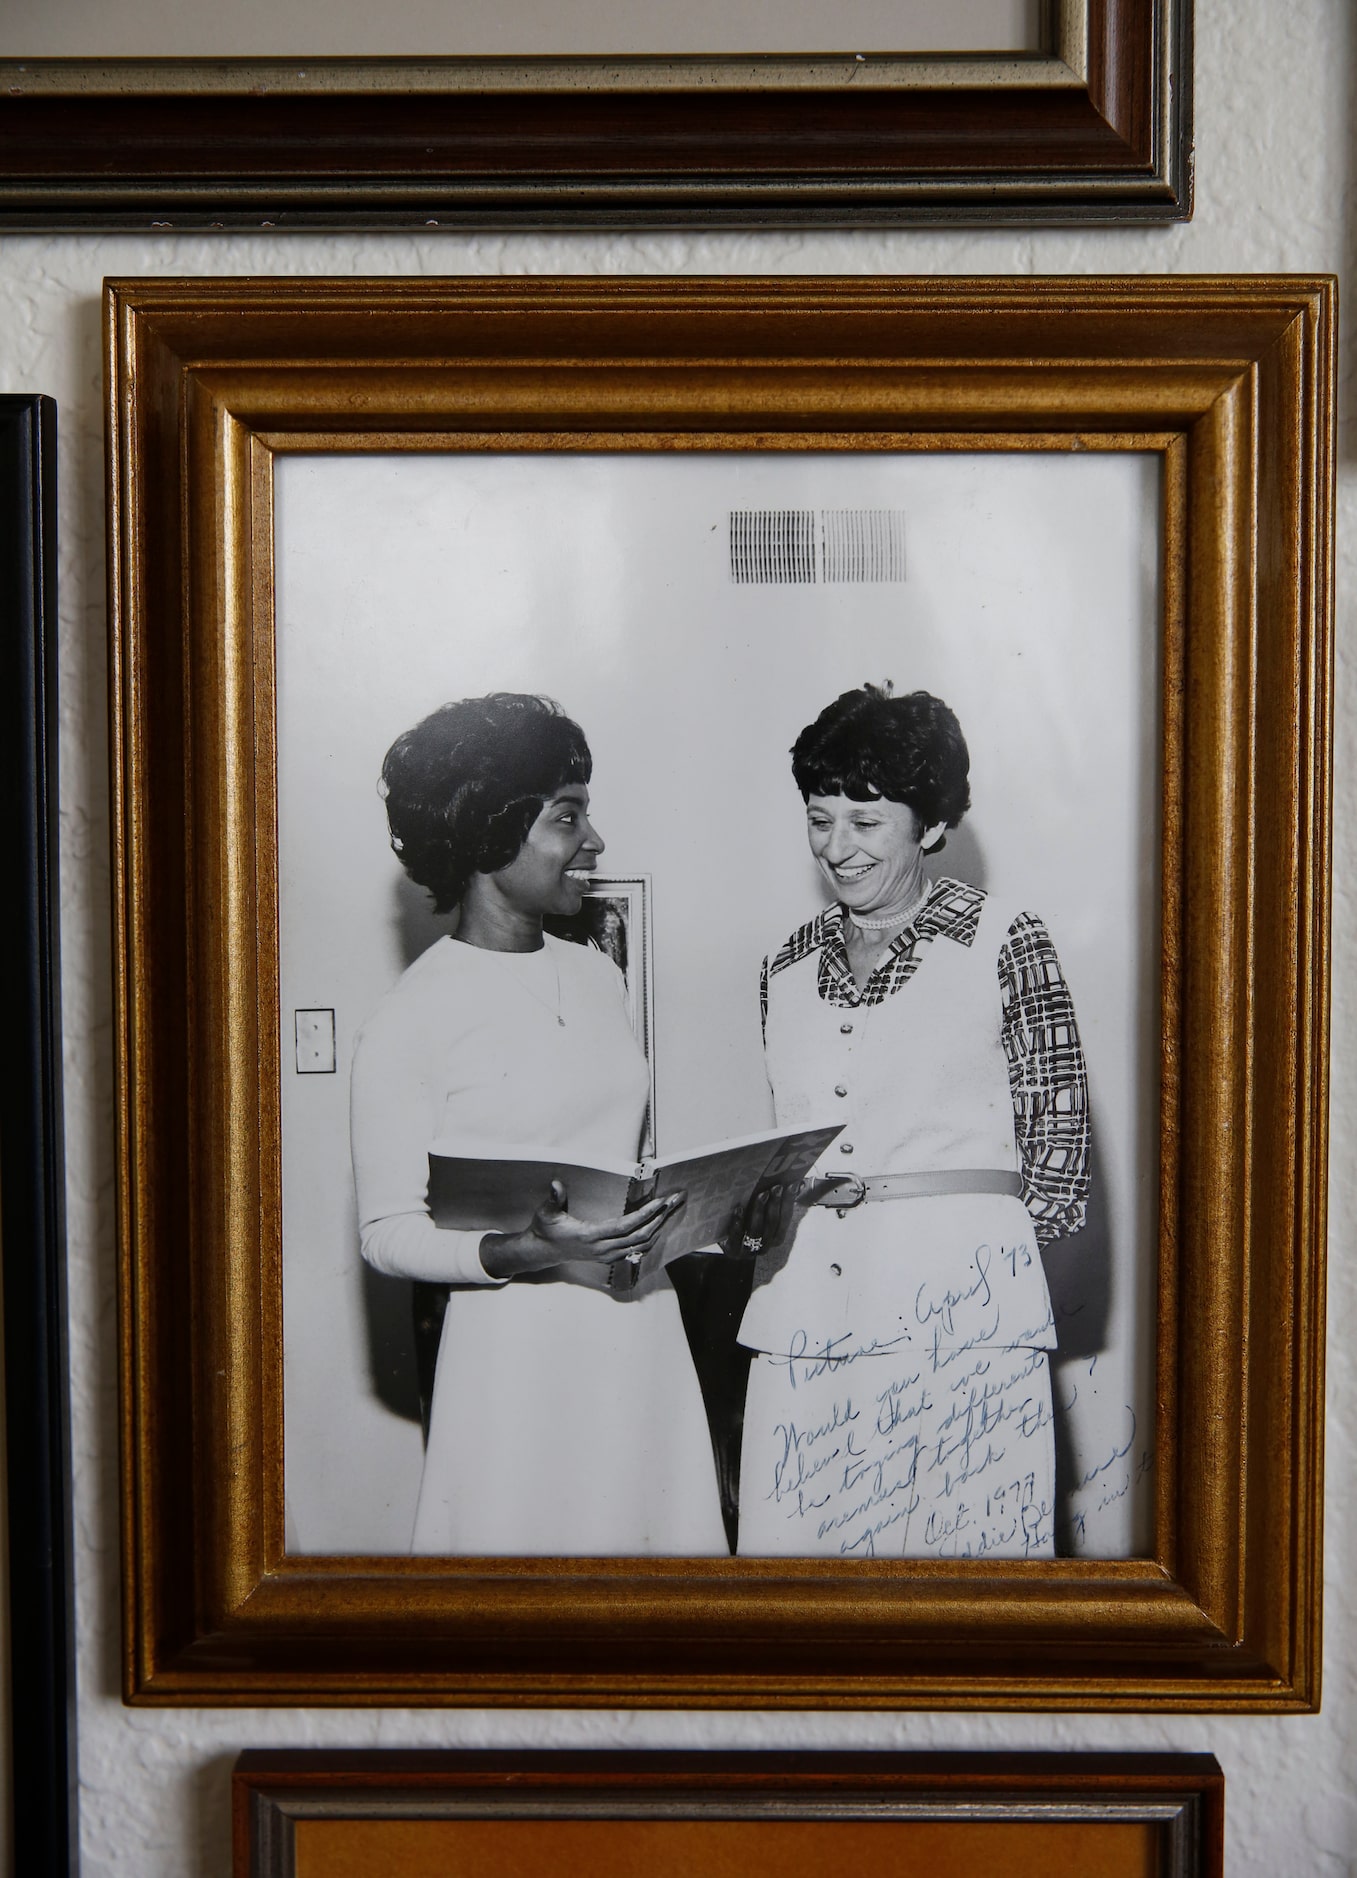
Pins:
<point x="555" y="1237"/>
<point x="761" y="1225"/>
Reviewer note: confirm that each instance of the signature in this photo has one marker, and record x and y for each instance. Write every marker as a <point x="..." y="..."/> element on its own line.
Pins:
<point x="806" y="1361"/>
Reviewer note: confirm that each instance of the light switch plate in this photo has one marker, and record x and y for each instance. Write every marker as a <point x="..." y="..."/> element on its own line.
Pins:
<point x="315" y="1042"/>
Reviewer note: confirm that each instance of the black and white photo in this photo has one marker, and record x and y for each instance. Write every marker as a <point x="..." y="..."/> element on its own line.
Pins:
<point x="693" y="616"/>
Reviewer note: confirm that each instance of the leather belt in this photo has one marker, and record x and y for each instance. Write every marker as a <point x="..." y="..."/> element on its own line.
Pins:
<point x="846" y="1190"/>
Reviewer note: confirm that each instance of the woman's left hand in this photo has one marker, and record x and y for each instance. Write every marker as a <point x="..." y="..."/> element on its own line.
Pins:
<point x="762" y="1224"/>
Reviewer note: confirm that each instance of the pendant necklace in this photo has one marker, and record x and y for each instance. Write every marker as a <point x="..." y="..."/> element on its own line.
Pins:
<point x="536" y="996"/>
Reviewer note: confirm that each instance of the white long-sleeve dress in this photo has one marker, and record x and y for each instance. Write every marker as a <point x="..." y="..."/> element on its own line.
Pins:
<point x="566" y="1417"/>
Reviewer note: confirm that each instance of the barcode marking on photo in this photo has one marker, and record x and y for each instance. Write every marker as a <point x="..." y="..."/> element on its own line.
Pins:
<point x="862" y="544"/>
<point x="772" y="545"/>
<point x="804" y="546"/>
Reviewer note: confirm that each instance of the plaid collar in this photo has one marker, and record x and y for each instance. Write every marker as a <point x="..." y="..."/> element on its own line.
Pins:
<point x="951" y="911"/>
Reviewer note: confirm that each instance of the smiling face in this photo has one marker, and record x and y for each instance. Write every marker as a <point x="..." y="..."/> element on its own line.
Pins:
<point x="561" y="850"/>
<point x="871" y="852"/>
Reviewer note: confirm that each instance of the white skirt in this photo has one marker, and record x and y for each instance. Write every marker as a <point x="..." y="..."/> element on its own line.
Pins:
<point x="884" y="1456"/>
<point x="566" y="1422"/>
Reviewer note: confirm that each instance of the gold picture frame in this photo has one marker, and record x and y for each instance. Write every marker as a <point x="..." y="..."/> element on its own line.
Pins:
<point x="1230" y="384"/>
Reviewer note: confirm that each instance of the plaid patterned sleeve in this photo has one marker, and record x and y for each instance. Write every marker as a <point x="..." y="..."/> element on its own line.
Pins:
<point x="1048" y="1080"/>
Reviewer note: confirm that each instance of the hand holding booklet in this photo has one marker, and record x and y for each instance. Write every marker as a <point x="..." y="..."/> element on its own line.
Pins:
<point x="496" y="1192"/>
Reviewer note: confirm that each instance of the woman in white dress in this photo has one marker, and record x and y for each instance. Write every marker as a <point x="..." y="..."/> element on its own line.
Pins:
<point x="566" y="1416"/>
<point x="900" y="1401"/>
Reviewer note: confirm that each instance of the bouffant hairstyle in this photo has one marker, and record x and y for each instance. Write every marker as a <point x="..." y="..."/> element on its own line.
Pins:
<point x="464" y="786"/>
<point x="869" y="743"/>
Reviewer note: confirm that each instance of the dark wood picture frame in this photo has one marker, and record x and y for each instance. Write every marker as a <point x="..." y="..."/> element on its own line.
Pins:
<point x="790" y="1813"/>
<point x="32" y="1203"/>
<point x="1096" y="125"/>
<point x="1231" y="383"/>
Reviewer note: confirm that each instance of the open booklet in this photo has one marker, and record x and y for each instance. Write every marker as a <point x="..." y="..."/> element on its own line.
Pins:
<point x="500" y="1192"/>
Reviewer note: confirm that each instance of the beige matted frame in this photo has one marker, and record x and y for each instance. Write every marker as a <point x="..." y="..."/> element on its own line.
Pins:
<point x="1231" y="381"/>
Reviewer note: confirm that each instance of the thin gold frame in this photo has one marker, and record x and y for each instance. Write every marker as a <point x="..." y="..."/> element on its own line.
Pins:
<point x="1231" y="382"/>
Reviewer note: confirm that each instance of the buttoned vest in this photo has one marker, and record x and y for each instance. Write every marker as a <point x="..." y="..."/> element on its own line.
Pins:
<point x="920" y="1082"/>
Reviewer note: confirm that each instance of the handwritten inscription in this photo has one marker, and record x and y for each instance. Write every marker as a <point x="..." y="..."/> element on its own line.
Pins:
<point x="1117" y="1468"/>
<point x="924" y="1446"/>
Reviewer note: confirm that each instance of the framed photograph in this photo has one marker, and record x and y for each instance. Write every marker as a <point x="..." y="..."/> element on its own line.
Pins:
<point x="1033" y="1815"/>
<point x="615" y="920"/>
<point x="434" y="601"/>
<point x="882" y="113"/>
<point x="40" y="1720"/>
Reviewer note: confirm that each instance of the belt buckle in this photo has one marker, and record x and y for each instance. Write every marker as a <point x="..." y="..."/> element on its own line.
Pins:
<point x="857" y="1189"/>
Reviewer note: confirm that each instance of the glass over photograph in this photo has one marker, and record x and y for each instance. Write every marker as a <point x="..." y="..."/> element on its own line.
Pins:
<point x="424" y="29"/>
<point x="719" y="923"/>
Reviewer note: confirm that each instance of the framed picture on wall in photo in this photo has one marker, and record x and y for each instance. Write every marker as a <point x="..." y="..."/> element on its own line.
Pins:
<point x="614" y="919"/>
<point x="827" y="1282"/>
<point x="678" y="1815"/>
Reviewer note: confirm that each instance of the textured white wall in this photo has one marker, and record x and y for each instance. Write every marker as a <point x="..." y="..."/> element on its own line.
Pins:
<point x="1277" y="189"/>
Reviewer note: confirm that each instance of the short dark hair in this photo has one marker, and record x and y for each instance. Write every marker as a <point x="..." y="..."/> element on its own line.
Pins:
<point x="869" y="743"/>
<point x="464" y="786"/>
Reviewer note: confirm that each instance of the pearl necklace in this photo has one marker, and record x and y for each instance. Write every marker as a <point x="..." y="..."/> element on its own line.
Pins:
<point x="896" y="919"/>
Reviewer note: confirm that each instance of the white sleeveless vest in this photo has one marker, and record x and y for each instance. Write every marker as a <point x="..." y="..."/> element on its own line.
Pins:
<point x="920" y="1082"/>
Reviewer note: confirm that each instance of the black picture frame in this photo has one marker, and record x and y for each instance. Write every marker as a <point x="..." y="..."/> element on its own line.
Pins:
<point x="32" y="1213"/>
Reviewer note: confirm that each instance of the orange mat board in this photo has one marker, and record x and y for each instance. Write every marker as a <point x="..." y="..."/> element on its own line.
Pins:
<point x="480" y="1848"/>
